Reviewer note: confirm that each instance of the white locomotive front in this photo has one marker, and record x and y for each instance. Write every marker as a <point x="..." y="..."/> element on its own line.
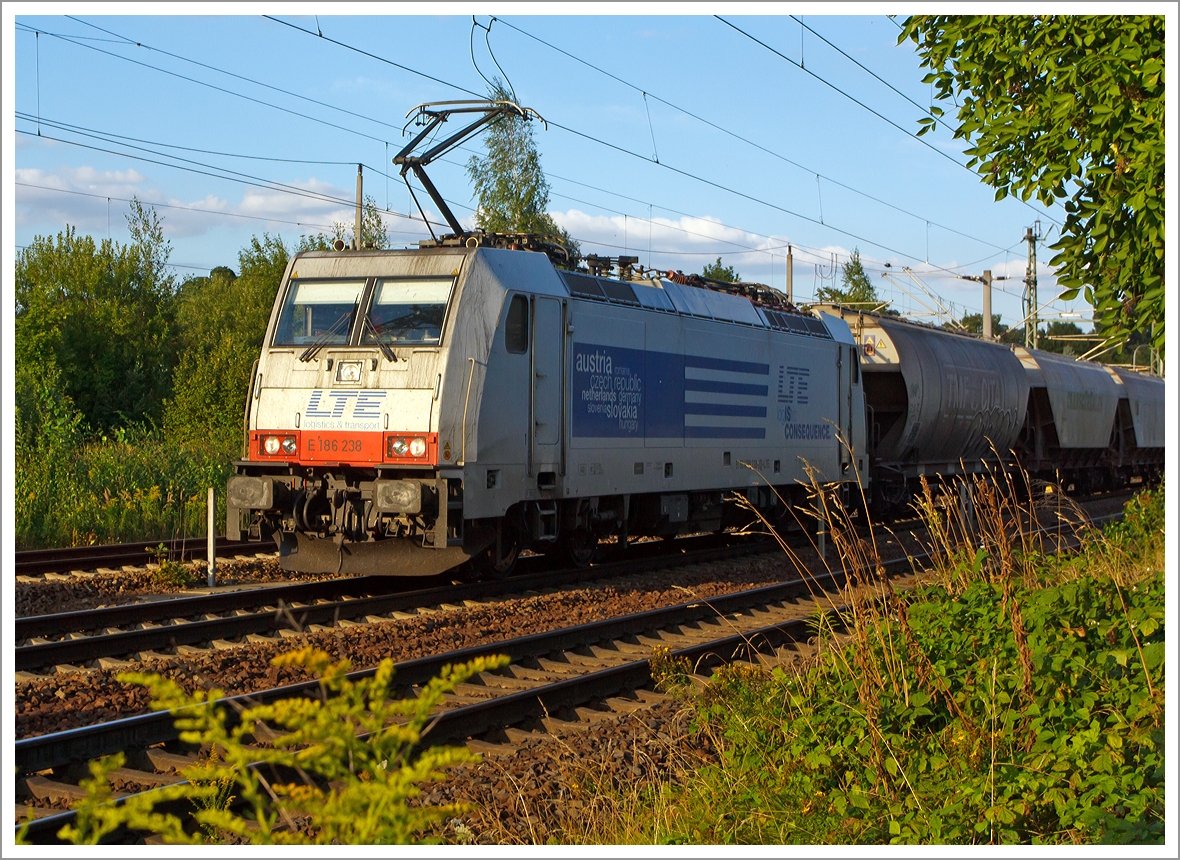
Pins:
<point x="414" y="409"/>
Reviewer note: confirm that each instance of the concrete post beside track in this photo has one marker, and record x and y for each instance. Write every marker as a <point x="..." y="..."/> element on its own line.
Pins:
<point x="211" y="537"/>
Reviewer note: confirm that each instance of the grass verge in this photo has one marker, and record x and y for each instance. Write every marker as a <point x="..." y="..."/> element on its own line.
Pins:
<point x="133" y="485"/>
<point x="1015" y="698"/>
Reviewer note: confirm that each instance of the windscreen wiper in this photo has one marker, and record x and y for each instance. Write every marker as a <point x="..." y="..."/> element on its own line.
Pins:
<point x="372" y="329"/>
<point x="310" y="353"/>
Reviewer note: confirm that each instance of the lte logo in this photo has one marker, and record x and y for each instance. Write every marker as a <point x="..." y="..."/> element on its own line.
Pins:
<point x="793" y="383"/>
<point x="365" y="404"/>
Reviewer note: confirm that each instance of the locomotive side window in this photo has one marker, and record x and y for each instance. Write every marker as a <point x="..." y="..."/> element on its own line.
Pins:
<point x="516" y="327"/>
<point x="408" y="310"/>
<point x="318" y="310"/>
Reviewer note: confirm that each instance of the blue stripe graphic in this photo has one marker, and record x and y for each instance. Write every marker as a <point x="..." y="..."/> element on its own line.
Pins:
<point x="691" y="432"/>
<point x="724" y="387"/>
<point x="726" y="364"/>
<point x="724" y="409"/>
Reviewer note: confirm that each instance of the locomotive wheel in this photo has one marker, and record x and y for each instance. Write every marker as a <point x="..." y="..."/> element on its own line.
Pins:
<point x="579" y="547"/>
<point x="510" y="552"/>
<point x="486" y="565"/>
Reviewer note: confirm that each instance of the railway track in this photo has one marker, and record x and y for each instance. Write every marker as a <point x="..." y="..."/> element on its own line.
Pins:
<point x="557" y="681"/>
<point x="49" y="641"/>
<point x="580" y="673"/>
<point x="35" y="562"/>
<point x="67" y="641"/>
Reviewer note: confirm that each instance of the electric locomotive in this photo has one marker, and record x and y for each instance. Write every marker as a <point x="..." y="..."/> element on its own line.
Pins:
<point x="415" y="409"/>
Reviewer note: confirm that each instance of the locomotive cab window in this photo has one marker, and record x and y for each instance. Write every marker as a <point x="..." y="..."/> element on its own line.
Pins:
<point x="318" y="311"/>
<point x="516" y="326"/>
<point x="407" y="310"/>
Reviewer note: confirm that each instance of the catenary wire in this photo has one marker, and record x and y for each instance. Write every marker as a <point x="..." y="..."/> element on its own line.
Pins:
<point x="623" y="150"/>
<point x="742" y="138"/>
<point x="329" y="198"/>
<point x="329" y="105"/>
<point x="574" y="131"/>
<point x="375" y="57"/>
<point x="215" y="87"/>
<point x="863" y="67"/>
<point x="258" y="184"/>
<point x="866" y="69"/>
<point x="196" y="208"/>
<point x="563" y="127"/>
<point x="274" y="185"/>
<point x="66" y="126"/>
<point x="884" y="118"/>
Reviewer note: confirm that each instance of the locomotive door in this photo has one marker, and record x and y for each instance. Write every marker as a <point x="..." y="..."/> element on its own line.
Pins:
<point x="547" y="377"/>
<point x="844" y="406"/>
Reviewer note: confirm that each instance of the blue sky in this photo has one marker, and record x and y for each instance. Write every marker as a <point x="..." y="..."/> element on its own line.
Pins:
<point x="815" y="170"/>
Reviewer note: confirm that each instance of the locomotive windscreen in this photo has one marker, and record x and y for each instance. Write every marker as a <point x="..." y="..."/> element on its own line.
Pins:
<point x="318" y="309"/>
<point x="408" y="310"/>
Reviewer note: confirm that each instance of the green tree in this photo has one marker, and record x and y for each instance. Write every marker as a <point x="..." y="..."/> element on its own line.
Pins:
<point x="974" y="323"/>
<point x="718" y="272"/>
<point x="1067" y="107"/>
<point x="98" y="319"/>
<point x="511" y="191"/>
<point x="1049" y="339"/>
<point x="855" y="287"/>
<point x="374" y="233"/>
<point x="222" y="320"/>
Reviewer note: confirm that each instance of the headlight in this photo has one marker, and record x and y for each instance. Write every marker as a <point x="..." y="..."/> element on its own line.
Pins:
<point x="417" y="447"/>
<point x="348" y="371"/>
<point x="398" y="447"/>
<point x="273" y="445"/>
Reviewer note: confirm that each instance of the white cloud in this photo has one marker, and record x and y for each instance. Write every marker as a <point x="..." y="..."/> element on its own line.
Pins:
<point x="78" y="196"/>
<point x="265" y="201"/>
<point x="75" y="196"/>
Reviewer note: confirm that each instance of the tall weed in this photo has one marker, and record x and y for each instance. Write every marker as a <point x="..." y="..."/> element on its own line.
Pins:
<point x="1017" y="697"/>
<point x="133" y="484"/>
<point x="339" y="769"/>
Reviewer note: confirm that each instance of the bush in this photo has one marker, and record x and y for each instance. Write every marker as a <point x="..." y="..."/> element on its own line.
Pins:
<point x="342" y="772"/>
<point x="130" y="485"/>
<point x="1017" y="698"/>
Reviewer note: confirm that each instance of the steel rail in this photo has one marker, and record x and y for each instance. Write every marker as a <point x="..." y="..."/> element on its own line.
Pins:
<point x="459" y="723"/>
<point x="88" y="742"/>
<point x="74" y="651"/>
<point x="56" y="624"/>
<point x="64" y="748"/>
<point x="34" y="561"/>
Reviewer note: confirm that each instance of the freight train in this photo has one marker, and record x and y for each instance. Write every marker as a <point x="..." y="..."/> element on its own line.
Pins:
<point x="415" y="409"/>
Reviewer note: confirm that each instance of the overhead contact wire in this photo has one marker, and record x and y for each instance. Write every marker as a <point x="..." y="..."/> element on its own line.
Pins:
<point x="258" y="182"/>
<point x="880" y="116"/>
<point x="217" y="88"/>
<point x="739" y="137"/>
<point x="145" y="46"/>
<point x="616" y="147"/>
<point x="591" y="138"/>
